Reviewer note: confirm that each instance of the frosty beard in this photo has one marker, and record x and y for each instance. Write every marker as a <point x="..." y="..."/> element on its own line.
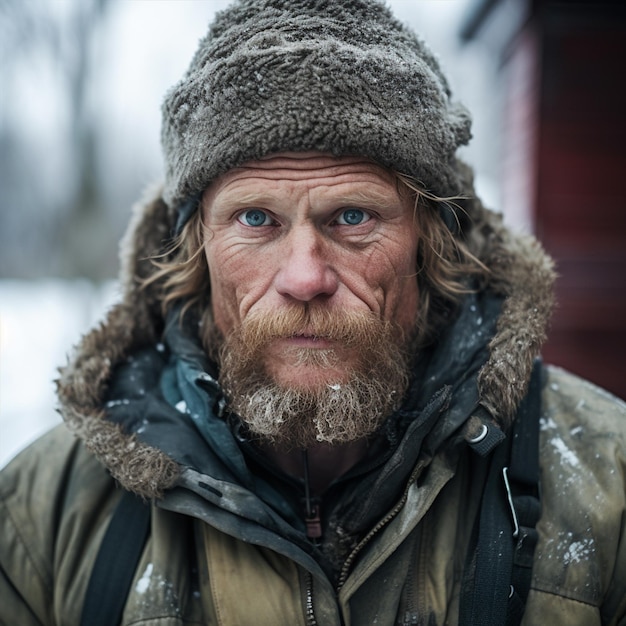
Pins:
<point x="352" y="388"/>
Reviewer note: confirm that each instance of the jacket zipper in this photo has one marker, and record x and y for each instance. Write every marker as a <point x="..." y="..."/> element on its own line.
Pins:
<point x="310" y="612"/>
<point x="352" y="556"/>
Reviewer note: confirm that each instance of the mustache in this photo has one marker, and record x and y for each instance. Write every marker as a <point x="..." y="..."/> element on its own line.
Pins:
<point x="352" y="329"/>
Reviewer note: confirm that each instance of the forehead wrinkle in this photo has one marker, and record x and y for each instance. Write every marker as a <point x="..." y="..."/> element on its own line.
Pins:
<point x="238" y="192"/>
<point x="334" y="183"/>
<point x="336" y="190"/>
<point x="357" y="198"/>
<point x="296" y="162"/>
<point x="334" y="174"/>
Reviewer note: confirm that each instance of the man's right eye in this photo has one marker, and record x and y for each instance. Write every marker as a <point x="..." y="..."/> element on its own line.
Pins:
<point x="254" y="217"/>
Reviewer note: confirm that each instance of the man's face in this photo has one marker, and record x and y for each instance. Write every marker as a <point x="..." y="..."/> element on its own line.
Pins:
<point x="309" y="232"/>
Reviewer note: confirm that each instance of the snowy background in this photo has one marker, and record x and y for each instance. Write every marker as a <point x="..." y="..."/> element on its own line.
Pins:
<point x="82" y="83"/>
<point x="39" y="323"/>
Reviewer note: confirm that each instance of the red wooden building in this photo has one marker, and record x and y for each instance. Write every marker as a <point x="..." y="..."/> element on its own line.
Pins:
<point x="563" y="158"/>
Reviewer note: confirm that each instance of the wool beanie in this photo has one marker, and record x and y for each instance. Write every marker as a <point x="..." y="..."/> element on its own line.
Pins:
<point x="338" y="76"/>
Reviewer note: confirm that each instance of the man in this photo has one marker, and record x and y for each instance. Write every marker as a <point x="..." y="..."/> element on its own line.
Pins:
<point x="323" y="340"/>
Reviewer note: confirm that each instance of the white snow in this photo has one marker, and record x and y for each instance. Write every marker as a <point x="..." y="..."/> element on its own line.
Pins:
<point x="578" y="551"/>
<point x="144" y="582"/>
<point x="567" y="455"/>
<point x="547" y="423"/>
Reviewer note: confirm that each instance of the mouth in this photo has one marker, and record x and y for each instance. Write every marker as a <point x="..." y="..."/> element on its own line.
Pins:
<point x="308" y="340"/>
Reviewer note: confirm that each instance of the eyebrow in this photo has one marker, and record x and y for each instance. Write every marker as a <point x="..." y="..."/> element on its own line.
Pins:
<point x="357" y="198"/>
<point x="370" y="199"/>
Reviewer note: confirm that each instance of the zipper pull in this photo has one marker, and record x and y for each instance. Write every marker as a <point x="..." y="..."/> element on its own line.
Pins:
<point x="311" y="505"/>
<point x="313" y="521"/>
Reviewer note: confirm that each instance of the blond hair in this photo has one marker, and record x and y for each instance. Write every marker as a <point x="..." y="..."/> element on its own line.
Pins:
<point x="446" y="269"/>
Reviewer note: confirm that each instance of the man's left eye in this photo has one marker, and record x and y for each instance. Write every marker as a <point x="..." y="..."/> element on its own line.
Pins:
<point x="353" y="217"/>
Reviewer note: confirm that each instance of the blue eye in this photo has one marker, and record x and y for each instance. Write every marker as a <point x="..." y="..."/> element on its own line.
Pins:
<point x="353" y="217"/>
<point x="254" y="217"/>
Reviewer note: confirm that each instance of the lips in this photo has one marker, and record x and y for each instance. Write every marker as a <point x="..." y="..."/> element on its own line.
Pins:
<point x="309" y="340"/>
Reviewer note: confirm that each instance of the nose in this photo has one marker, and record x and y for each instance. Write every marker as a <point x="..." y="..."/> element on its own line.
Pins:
<point x="305" y="272"/>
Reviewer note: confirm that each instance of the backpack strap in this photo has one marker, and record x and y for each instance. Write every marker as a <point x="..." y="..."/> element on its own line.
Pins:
<point x="498" y="568"/>
<point x="523" y="493"/>
<point x="116" y="563"/>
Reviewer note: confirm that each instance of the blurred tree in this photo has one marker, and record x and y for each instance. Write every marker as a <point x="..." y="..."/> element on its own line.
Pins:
<point x="50" y="194"/>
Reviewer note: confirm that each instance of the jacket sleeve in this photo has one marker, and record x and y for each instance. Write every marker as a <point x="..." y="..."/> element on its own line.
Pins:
<point x="55" y="500"/>
<point x="579" y="569"/>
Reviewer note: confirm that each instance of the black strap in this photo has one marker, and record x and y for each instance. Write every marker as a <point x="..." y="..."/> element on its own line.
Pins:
<point x="522" y="484"/>
<point x="498" y="570"/>
<point x="116" y="562"/>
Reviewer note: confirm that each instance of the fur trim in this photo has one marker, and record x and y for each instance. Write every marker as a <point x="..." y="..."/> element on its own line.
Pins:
<point x="133" y="323"/>
<point x="524" y="274"/>
<point x="520" y="271"/>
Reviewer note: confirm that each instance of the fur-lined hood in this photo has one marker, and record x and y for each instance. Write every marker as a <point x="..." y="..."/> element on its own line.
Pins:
<point x="520" y="272"/>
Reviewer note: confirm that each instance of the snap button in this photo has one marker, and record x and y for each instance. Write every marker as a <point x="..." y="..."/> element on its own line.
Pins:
<point x="481" y="435"/>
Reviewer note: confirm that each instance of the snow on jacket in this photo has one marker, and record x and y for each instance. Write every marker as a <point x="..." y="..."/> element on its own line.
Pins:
<point x="227" y="543"/>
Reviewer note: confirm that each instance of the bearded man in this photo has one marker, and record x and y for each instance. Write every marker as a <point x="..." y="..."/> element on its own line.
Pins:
<point x="324" y="347"/>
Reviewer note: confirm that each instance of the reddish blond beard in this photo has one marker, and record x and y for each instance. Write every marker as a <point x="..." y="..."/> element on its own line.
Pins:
<point x="372" y="384"/>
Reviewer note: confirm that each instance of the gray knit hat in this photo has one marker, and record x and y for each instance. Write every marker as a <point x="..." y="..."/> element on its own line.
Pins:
<point x="339" y="76"/>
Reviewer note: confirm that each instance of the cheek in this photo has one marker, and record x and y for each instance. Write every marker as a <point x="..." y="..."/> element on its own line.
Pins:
<point x="391" y="275"/>
<point x="237" y="281"/>
<point x="403" y="297"/>
<point x="407" y="305"/>
<point x="408" y="290"/>
<point x="223" y="292"/>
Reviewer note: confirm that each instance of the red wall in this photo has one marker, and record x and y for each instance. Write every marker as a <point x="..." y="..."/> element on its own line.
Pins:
<point x="580" y="206"/>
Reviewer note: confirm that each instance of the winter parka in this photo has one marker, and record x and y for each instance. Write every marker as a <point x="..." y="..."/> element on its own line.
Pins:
<point x="227" y="545"/>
